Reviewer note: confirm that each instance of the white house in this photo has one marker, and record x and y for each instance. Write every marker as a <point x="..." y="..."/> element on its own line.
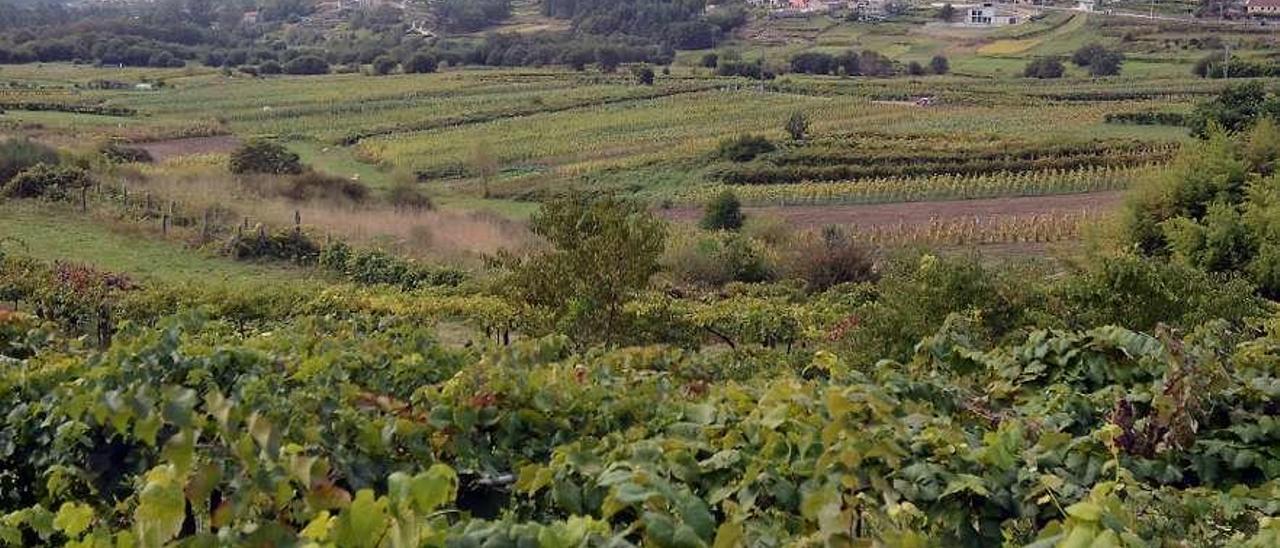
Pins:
<point x="991" y="15"/>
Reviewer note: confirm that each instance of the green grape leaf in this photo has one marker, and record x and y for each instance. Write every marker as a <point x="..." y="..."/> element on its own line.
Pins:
<point x="73" y="518"/>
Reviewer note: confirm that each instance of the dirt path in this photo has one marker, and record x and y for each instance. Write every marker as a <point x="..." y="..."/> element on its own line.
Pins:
<point x="173" y="148"/>
<point x="909" y="213"/>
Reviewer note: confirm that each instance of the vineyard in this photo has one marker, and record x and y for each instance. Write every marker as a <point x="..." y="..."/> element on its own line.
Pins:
<point x="145" y="412"/>
<point x="540" y="127"/>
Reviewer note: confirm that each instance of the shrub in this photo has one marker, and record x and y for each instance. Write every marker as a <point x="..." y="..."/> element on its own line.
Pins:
<point x="914" y="68"/>
<point x="797" y="126"/>
<point x="723" y="213"/>
<point x="713" y="260"/>
<point x="407" y="196"/>
<point x="270" y="67"/>
<point x="261" y="156"/>
<point x="119" y="154"/>
<point x="307" y="65"/>
<point x="286" y="245"/>
<point x="420" y="63"/>
<point x="744" y="148"/>
<point x="313" y="185"/>
<point x="812" y="62"/>
<point x="832" y="258"/>
<point x="642" y="74"/>
<point x="710" y="60"/>
<point x="1098" y="60"/>
<point x="602" y="251"/>
<point x="384" y="65"/>
<point x="1044" y="68"/>
<point x="939" y="65"/>
<point x="52" y="182"/>
<point x="16" y="155"/>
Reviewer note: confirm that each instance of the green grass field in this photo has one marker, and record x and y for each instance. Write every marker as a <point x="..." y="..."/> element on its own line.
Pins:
<point x="57" y="233"/>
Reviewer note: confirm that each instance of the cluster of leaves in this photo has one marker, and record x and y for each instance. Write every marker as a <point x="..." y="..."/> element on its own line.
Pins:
<point x="372" y="267"/>
<point x="1098" y="60"/>
<point x="1215" y="208"/>
<point x="262" y="156"/>
<point x="51" y="182"/>
<point x="346" y="427"/>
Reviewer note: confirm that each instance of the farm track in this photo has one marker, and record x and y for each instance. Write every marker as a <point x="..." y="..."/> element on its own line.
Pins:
<point x="918" y="213"/>
<point x="187" y="146"/>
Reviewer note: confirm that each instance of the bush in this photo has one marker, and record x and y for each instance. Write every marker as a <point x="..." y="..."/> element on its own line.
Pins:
<point x="1044" y="68"/>
<point x="1098" y="60"/>
<point x="713" y="260"/>
<point x="285" y="245"/>
<point x="52" y="182"/>
<point x="384" y="65"/>
<point x="723" y="213"/>
<point x="643" y="75"/>
<point x="811" y="62"/>
<point x="307" y="65"/>
<point x="797" y="126"/>
<point x="602" y="251"/>
<point x="939" y="65"/>
<point x="270" y="68"/>
<point x="744" y="148"/>
<point x="119" y="154"/>
<point x="313" y="185"/>
<point x="831" y="259"/>
<point x="407" y="196"/>
<point x="710" y="60"/>
<point x="17" y="155"/>
<point x="261" y="156"/>
<point x="914" y="68"/>
<point x="420" y="63"/>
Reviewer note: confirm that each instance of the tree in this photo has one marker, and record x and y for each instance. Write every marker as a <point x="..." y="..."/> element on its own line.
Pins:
<point x="1106" y="64"/>
<point x="744" y="148"/>
<point x="1043" y="68"/>
<point x="643" y="74"/>
<point x="797" y="126"/>
<point x="848" y="63"/>
<point x="420" y="63"/>
<point x="384" y="65"/>
<point x="813" y="62"/>
<point x="1099" y="60"/>
<point x="262" y="156"/>
<point x="307" y="65"/>
<point x="608" y="58"/>
<point x="1236" y="108"/>
<point x="602" y="251"/>
<point x="1086" y="53"/>
<point x="724" y="212"/>
<point x="939" y="65"/>
<point x="1217" y="208"/>
<point x="947" y="12"/>
<point x="710" y="60"/>
<point x="914" y="68"/>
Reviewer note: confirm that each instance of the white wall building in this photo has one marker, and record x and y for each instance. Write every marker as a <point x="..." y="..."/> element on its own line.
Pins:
<point x="989" y="14"/>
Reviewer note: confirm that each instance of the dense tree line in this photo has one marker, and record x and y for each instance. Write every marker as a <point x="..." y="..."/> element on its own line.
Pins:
<point x="851" y="63"/>
<point x="470" y="15"/>
<point x="173" y="33"/>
